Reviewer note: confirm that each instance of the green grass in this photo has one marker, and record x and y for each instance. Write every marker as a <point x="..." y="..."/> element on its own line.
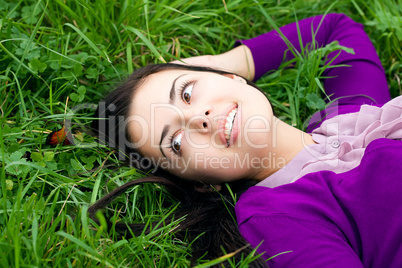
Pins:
<point x="58" y="54"/>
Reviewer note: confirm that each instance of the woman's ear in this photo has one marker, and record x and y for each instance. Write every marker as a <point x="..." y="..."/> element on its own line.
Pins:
<point x="236" y="78"/>
<point x="208" y="188"/>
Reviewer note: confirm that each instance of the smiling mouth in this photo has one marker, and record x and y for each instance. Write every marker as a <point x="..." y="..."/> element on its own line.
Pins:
<point x="229" y="124"/>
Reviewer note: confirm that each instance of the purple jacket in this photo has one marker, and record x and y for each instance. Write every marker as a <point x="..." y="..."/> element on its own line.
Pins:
<point x="353" y="219"/>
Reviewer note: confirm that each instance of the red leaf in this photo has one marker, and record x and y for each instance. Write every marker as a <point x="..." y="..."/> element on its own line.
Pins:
<point x="59" y="137"/>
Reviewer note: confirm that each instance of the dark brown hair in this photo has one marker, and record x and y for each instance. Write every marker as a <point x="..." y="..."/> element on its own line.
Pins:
<point x="209" y="215"/>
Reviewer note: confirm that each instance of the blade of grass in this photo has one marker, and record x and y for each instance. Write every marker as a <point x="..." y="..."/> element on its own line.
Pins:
<point x="146" y="42"/>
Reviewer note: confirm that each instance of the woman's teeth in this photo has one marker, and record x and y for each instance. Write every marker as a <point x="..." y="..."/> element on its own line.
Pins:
<point x="229" y="124"/>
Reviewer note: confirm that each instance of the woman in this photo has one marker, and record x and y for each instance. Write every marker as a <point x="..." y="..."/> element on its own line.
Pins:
<point x="319" y="201"/>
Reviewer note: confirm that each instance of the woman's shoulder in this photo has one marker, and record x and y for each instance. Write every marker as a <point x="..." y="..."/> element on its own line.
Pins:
<point x="381" y="159"/>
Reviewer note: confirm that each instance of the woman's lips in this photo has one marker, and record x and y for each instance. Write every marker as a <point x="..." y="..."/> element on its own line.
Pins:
<point x="235" y="125"/>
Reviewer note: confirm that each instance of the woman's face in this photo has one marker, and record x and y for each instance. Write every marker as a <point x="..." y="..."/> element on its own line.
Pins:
<point x="202" y="125"/>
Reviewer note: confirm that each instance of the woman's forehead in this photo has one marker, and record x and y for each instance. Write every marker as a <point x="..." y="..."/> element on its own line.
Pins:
<point x="155" y="89"/>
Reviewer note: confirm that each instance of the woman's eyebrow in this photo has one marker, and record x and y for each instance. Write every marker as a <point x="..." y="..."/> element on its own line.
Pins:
<point x="164" y="132"/>
<point x="166" y="127"/>
<point x="172" y="90"/>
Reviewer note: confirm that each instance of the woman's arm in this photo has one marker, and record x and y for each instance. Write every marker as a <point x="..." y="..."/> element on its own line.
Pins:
<point x="238" y="60"/>
<point x="365" y="76"/>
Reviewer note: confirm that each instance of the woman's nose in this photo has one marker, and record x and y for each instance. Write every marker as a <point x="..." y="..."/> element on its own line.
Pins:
<point x="198" y="119"/>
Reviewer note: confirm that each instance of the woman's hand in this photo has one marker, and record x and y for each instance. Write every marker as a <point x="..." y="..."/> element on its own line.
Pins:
<point x="238" y="61"/>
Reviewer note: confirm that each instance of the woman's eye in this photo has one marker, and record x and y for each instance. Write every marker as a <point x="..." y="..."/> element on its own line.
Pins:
<point x="186" y="94"/>
<point x="176" y="142"/>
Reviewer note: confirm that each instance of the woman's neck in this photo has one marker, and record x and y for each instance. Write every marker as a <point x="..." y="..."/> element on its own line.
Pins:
<point x="287" y="142"/>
